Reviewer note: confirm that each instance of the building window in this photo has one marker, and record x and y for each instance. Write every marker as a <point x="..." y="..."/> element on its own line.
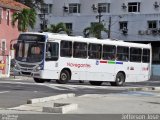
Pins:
<point x="152" y="24"/>
<point x="134" y="7"/>
<point x="8" y="16"/>
<point x="1" y="14"/>
<point x="47" y="9"/>
<point x="3" y="46"/>
<point x="104" y="7"/>
<point x="123" y="24"/>
<point x="74" y="8"/>
<point x="69" y="27"/>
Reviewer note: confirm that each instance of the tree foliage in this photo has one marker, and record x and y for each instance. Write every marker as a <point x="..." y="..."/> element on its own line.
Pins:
<point x="94" y="30"/>
<point x="26" y="18"/>
<point x="57" y="28"/>
<point x="32" y="3"/>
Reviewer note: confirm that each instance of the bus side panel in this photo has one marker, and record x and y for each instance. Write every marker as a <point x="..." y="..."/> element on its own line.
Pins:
<point x="145" y="72"/>
<point x="76" y="66"/>
<point x="51" y="70"/>
<point x="100" y="70"/>
<point x="132" y="71"/>
<point x="94" y="72"/>
<point x="121" y="68"/>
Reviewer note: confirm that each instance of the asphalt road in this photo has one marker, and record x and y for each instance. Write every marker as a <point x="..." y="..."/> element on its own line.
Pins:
<point x="15" y="92"/>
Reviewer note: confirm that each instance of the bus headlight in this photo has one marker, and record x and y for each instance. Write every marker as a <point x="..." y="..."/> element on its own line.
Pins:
<point x="38" y="68"/>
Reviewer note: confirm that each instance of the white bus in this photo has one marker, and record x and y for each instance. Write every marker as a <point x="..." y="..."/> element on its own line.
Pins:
<point x="48" y="56"/>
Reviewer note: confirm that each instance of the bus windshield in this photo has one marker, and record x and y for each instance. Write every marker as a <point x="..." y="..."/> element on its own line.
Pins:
<point x="30" y="48"/>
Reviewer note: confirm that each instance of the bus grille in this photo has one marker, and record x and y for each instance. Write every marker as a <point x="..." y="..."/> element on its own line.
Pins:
<point x="27" y="66"/>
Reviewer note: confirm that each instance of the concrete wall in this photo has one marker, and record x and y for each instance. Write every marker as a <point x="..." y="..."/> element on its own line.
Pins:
<point x="7" y="32"/>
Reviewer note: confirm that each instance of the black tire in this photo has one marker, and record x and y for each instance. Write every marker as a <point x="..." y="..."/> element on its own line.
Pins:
<point x="97" y="83"/>
<point x="64" y="77"/>
<point x="120" y="80"/>
<point x="38" y="80"/>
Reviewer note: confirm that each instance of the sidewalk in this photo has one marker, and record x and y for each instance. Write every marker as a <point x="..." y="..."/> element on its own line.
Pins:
<point x="17" y="78"/>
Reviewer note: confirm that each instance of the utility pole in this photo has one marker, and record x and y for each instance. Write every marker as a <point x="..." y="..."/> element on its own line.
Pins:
<point x="99" y="15"/>
<point x="42" y="16"/>
<point x="109" y="27"/>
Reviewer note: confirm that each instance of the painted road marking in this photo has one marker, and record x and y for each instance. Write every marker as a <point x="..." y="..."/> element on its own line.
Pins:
<point x="4" y="92"/>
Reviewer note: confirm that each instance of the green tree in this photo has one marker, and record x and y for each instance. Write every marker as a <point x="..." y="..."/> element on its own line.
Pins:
<point x="95" y="30"/>
<point x="26" y="18"/>
<point x="58" y="28"/>
<point x="32" y="3"/>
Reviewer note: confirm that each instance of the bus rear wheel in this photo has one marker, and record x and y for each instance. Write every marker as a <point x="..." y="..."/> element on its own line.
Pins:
<point x="64" y="77"/>
<point x="38" y="80"/>
<point x="98" y="83"/>
<point x="120" y="80"/>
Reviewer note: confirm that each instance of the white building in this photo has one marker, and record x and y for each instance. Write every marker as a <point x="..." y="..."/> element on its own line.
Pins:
<point x="131" y="20"/>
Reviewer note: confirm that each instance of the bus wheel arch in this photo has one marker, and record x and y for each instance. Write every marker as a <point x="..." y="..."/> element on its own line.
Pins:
<point x="65" y="76"/>
<point x="119" y="79"/>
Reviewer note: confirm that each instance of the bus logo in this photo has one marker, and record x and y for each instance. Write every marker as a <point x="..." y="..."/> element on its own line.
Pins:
<point x="78" y="65"/>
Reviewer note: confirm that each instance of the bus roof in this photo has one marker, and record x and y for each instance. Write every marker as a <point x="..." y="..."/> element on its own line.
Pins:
<point x="56" y="36"/>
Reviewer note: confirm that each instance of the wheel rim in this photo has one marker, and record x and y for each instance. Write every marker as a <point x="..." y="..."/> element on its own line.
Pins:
<point x="120" y="80"/>
<point x="63" y="76"/>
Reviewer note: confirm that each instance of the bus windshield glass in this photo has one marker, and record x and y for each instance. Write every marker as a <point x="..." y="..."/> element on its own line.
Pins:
<point x="30" y="48"/>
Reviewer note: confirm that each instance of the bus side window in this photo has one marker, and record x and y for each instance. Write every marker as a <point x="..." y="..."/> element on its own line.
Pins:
<point x="94" y="51"/>
<point x="135" y="54"/>
<point x="109" y="52"/>
<point x="80" y="50"/>
<point x="146" y="56"/>
<point x="122" y="53"/>
<point x="52" y="51"/>
<point x="66" y="49"/>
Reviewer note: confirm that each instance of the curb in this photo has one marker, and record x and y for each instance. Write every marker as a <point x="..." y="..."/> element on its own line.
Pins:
<point x="61" y="108"/>
<point x="51" y="98"/>
<point x="145" y="89"/>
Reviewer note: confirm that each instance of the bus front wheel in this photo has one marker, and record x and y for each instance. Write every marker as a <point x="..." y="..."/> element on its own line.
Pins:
<point x="64" y="77"/>
<point x="38" y="80"/>
<point x="120" y="80"/>
<point x="98" y="83"/>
